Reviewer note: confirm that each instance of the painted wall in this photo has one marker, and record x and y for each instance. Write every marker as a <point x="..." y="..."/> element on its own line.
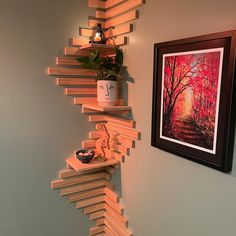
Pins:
<point x="39" y="126"/>
<point x="163" y="194"/>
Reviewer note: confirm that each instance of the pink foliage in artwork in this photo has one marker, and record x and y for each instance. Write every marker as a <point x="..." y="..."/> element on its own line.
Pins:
<point x="191" y="83"/>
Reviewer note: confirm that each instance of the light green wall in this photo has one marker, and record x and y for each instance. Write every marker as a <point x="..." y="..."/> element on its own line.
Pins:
<point x="164" y="195"/>
<point x="39" y="126"/>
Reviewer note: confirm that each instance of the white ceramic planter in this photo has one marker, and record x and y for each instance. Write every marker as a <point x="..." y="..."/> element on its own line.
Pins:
<point x="107" y="92"/>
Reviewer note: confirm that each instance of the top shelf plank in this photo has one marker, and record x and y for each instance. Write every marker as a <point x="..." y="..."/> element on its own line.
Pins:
<point x="80" y="167"/>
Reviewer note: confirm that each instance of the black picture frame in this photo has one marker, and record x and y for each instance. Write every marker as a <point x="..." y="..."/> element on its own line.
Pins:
<point x="221" y="157"/>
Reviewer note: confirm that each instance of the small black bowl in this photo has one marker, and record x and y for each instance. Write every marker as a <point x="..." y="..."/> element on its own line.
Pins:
<point x="85" y="159"/>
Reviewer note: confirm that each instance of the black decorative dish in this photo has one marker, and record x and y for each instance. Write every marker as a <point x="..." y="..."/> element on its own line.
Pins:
<point x="85" y="155"/>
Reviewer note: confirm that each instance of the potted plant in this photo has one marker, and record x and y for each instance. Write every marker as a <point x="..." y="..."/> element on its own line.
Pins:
<point x="108" y="70"/>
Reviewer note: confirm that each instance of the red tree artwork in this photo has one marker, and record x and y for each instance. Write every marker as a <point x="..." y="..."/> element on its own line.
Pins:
<point x="189" y="99"/>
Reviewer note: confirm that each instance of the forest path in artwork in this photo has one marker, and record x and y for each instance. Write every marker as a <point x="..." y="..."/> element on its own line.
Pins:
<point x="187" y="131"/>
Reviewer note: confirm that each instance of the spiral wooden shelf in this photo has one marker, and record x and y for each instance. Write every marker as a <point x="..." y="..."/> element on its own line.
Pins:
<point x="89" y="186"/>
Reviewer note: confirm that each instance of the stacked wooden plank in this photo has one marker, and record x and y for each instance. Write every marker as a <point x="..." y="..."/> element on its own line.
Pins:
<point x="115" y="16"/>
<point x="88" y="186"/>
<point x="91" y="191"/>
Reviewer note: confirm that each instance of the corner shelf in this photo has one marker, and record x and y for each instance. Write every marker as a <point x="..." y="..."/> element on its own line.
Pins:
<point x="96" y="107"/>
<point x="89" y="185"/>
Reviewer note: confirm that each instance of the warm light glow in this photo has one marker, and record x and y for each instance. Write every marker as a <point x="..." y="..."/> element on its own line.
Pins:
<point x="188" y="101"/>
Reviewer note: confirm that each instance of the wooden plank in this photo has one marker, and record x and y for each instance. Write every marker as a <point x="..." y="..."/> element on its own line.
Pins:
<point x="125" y="141"/>
<point x="123" y="122"/>
<point x="90" y="201"/>
<point x="79" y="179"/>
<point x="97" y="4"/>
<point x="100" y="221"/>
<point x="96" y="230"/>
<point x="79" y="166"/>
<point x="74" y="51"/>
<point x="70" y="71"/>
<point x="118" y="30"/>
<point x="84" y="100"/>
<point x="67" y="61"/>
<point x="111" y="194"/>
<point x="85" y="194"/>
<point x="96" y="215"/>
<point x="114" y="205"/>
<point x="80" y="91"/>
<point x="120" y="9"/>
<point x="119" y="41"/>
<point x="103" y="47"/>
<point x="119" y="229"/>
<point x="78" y="41"/>
<point x="94" y="134"/>
<point x="112" y="3"/>
<point x="89" y="144"/>
<point x="83" y="187"/>
<point x="109" y="230"/>
<point x="115" y="215"/>
<point x="129" y="16"/>
<point x="106" y="108"/>
<point x="86" y="32"/>
<point x="131" y="133"/>
<point x="94" y="208"/>
<point x="76" y="82"/>
<point x="67" y="173"/>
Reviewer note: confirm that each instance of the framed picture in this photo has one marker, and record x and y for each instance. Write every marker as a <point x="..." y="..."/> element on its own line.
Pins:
<point x="192" y="114"/>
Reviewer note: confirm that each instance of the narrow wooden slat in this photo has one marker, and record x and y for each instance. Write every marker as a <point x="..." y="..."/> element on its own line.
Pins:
<point x="80" y="91"/>
<point x="131" y="133"/>
<point x="119" y="229"/>
<point x="85" y="194"/>
<point x="78" y="41"/>
<point x="79" y="179"/>
<point x="73" y="51"/>
<point x="83" y="187"/>
<point x="109" y="230"/>
<point x="100" y="221"/>
<point x="96" y="215"/>
<point x="120" y="9"/>
<point x="117" y="216"/>
<point x="75" y="82"/>
<point x="130" y="16"/>
<point x="125" y="141"/>
<point x="88" y="144"/>
<point x="107" y="108"/>
<point x="85" y="32"/>
<point x="118" y="30"/>
<point x="114" y="218"/>
<point x="78" y="166"/>
<point x="120" y="121"/>
<point x="111" y="194"/>
<point x="90" y="201"/>
<point x="85" y="110"/>
<point x="67" y="61"/>
<point x="96" y="230"/>
<point x="112" y="3"/>
<point x="114" y="205"/>
<point x="67" y="173"/>
<point x="119" y="41"/>
<point x="70" y="71"/>
<point x="94" y="134"/>
<point x="94" y="208"/>
<point x="96" y="4"/>
<point x="85" y="100"/>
